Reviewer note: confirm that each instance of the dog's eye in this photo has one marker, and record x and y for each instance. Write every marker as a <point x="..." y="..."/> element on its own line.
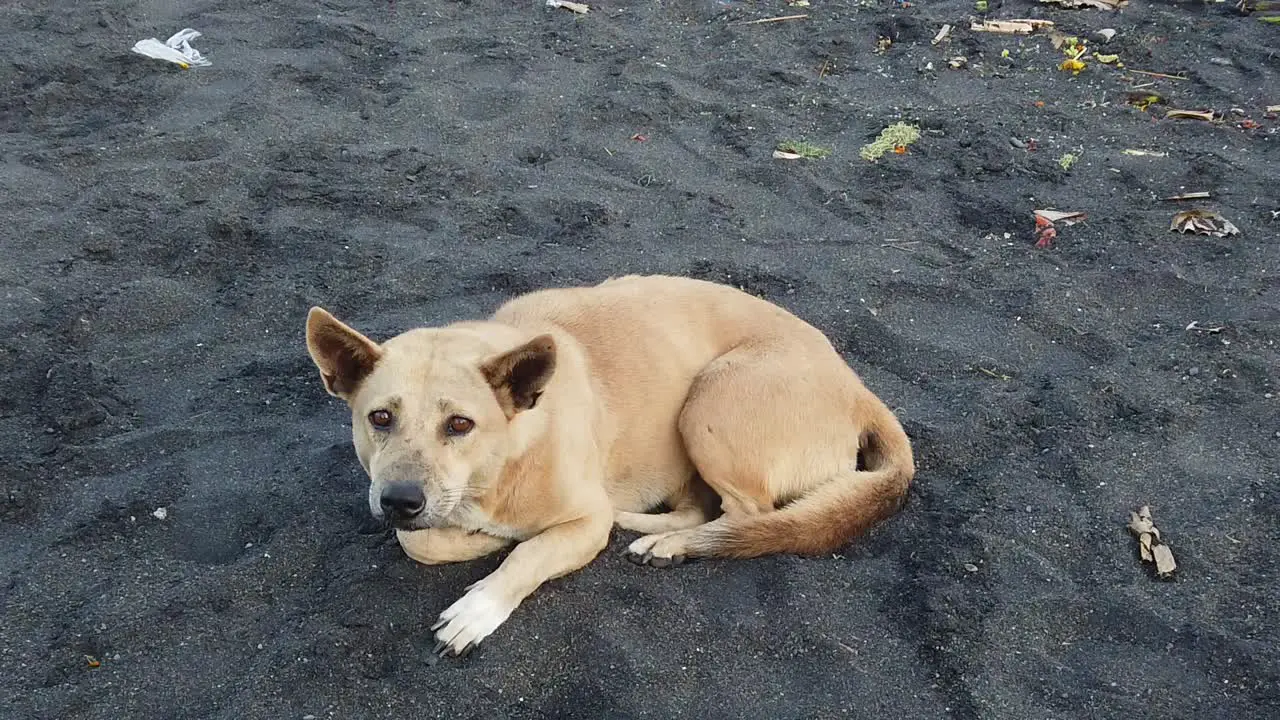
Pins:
<point x="381" y="419"/>
<point x="458" y="425"/>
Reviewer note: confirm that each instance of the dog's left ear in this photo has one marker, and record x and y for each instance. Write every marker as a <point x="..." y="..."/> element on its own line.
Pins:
<point x="518" y="376"/>
<point x="344" y="356"/>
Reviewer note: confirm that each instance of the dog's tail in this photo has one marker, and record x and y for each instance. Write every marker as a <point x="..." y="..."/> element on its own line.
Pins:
<point x="832" y="514"/>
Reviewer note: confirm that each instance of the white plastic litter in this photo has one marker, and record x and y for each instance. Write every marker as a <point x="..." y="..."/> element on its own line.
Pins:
<point x="176" y="49"/>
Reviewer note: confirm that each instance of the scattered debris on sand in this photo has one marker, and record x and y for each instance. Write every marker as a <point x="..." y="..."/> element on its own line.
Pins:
<point x="1195" y="326"/>
<point x="1011" y="27"/>
<point x="1150" y="545"/>
<point x="762" y="21"/>
<point x="896" y="137"/>
<point x="1164" y="76"/>
<point x="1206" y="115"/>
<point x="1202" y="222"/>
<point x="1074" y="48"/>
<point x="1079" y="4"/>
<point x="797" y="149"/>
<point x="579" y="8"/>
<point x="1047" y="224"/>
<point x="177" y="49"/>
<point x="1066" y="218"/>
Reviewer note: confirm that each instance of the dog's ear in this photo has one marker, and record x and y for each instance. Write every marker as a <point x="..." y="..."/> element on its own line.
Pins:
<point x="343" y="355"/>
<point x="518" y="376"/>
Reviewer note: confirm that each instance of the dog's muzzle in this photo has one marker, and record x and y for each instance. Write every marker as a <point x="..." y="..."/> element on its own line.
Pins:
<point x="402" y="503"/>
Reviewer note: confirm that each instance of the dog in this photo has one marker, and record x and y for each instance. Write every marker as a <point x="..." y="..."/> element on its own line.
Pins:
<point x="575" y="409"/>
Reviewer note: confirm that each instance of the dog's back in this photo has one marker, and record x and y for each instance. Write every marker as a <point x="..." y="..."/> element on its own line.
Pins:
<point x="708" y="383"/>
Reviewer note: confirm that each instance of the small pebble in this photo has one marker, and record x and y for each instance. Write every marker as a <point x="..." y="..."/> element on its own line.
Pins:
<point x="160" y="513"/>
<point x="970" y="567"/>
<point x="1221" y="61"/>
<point x="1193" y="371"/>
<point x="1017" y="143"/>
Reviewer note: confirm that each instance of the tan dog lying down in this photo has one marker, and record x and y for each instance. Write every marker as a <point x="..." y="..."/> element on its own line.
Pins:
<point x="574" y="409"/>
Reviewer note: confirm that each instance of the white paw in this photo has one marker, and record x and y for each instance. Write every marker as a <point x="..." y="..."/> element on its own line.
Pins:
<point x="642" y="545"/>
<point x="662" y="550"/>
<point x="471" y="619"/>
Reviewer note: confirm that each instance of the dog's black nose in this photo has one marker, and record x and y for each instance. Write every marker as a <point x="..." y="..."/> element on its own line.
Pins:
<point x="402" y="500"/>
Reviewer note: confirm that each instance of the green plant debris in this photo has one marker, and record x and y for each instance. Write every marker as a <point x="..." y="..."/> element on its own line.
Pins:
<point x="1066" y="161"/>
<point x="804" y="149"/>
<point x="896" y="137"/>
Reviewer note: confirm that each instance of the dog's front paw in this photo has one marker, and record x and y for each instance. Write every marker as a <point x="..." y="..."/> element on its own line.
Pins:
<point x="471" y="619"/>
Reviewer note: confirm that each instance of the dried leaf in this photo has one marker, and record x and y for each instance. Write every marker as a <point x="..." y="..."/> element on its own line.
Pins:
<point x="780" y="155"/>
<point x="1273" y="108"/>
<point x="1150" y="546"/>
<point x="579" y="8"/>
<point x="942" y="35"/>
<point x="1098" y="4"/>
<point x="1202" y="222"/>
<point x="1058" y="216"/>
<point x="1145" y="153"/>
<point x="1165" y="564"/>
<point x="1190" y="196"/>
<point x="1045" y="231"/>
<point x="1191" y="114"/>
<point x="1010" y="27"/>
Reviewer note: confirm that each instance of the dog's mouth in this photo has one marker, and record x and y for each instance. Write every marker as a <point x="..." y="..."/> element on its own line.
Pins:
<point x="417" y="522"/>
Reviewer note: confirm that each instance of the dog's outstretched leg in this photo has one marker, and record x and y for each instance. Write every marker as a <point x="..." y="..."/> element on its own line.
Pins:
<point x="556" y="551"/>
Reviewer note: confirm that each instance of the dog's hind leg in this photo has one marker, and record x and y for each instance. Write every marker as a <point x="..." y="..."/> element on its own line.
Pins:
<point x="691" y="507"/>
<point x="649" y="523"/>
<point x="763" y="424"/>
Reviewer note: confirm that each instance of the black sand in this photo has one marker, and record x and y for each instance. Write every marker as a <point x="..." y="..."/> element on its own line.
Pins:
<point x="413" y="162"/>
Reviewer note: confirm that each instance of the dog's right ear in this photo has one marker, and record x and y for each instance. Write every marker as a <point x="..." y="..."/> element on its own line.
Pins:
<point x="518" y="376"/>
<point x="344" y="356"/>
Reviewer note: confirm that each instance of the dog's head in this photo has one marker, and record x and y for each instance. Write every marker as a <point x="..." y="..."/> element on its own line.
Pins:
<point x="431" y="409"/>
